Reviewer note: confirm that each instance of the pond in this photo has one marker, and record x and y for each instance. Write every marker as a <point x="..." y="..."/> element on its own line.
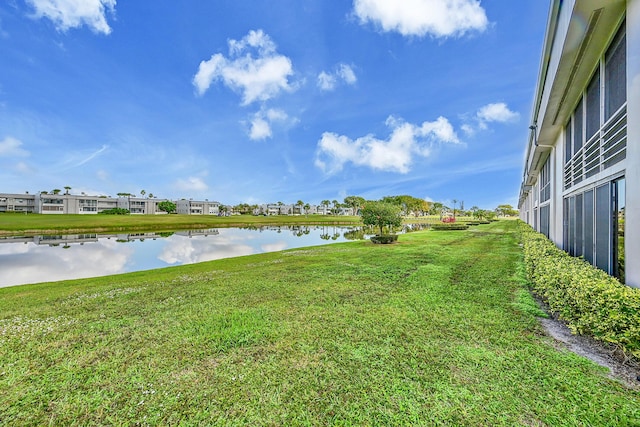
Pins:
<point x="37" y="259"/>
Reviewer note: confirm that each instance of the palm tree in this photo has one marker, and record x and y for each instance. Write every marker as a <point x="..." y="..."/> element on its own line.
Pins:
<point x="454" y="207"/>
<point x="142" y="193"/>
<point x="335" y="207"/>
<point x="67" y="188"/>
<point x="299" y="204"/>
<point x="151" y="196"/>
<point x="306" y="209"/>
<point x="326" y="204"/>
<point x="55" y="191"/>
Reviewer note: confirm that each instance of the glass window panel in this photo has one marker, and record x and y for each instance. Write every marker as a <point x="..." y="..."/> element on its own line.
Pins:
<point x="593" y="106"/>
<point x="572" y="226"/>
<point x="577" y="128"/>
<point x="579" y="224"/>
<point x="603" y="228"/>
<point x="615" y="79"/>
<point x="620" y="187"/>
<point x="588" y="226"/>
<point x="565" y="224"/>
<point x="568" y="143"/>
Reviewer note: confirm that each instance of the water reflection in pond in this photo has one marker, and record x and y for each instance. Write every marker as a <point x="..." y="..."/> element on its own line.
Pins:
<point x="50" y="258"/>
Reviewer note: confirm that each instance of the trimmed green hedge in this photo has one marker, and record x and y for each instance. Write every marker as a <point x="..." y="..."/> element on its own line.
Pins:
<point x="588" y="299"/>
<point x="385" y="239"/>
<point x="458" y="226"/>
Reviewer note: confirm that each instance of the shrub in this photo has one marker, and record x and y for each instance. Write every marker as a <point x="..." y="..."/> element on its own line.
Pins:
<point x="586" y="298"/>
<point x="385" y="239"/>
<point x="450" y="226"/>
<point x="115" y="211"/>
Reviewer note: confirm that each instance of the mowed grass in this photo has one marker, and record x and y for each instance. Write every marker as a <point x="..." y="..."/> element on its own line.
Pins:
<point x="42" y="224"/>
<point x="431" y="331"/>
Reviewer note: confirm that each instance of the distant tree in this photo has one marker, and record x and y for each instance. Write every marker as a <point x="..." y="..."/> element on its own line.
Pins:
<point x="326" y="204"/>
<point x="142" y="193"/>
<point x="381" y="214"/>
<point x="355" y="203"/>
<point x="299" y="204"/>
<point x="56" y="191"/>
<point x="506" y="210"/>
<point x="66" y="188"/>
<point x="454" y="207"/>
<point x="306" y="210"/>
<point x="167" y="206"/>
<point x="151" y="196"/>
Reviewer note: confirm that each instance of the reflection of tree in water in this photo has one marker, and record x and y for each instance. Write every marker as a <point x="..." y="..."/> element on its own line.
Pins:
<point x="355" y="234"/>
<point x="325" y="233"/>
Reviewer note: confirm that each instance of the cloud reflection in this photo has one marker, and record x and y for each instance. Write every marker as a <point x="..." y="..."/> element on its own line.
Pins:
<point x="31" y="263"/>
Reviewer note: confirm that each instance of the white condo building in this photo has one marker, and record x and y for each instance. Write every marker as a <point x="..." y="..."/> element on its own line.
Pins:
<point x="581" y="181"/>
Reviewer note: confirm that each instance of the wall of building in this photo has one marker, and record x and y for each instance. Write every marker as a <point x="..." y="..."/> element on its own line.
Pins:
<point x="632" y="231"/>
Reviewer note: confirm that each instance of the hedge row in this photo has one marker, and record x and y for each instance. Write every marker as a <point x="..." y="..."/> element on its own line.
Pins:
<point x="588" y="299"/>
<point x="458" y="226"/>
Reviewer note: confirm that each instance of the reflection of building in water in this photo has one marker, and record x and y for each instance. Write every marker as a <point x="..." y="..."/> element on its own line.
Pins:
<point x="67" y="239"/>
<point x="202" y="232"/>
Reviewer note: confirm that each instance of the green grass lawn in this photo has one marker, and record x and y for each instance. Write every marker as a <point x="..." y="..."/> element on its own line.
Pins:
<point x="434" y="330"/>
<point x="43" y="224"/>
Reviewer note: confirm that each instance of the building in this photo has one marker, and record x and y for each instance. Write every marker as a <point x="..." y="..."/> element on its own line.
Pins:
<point x="194" y="207"/>
<point x="581" y="182"/>
<point x="17" y="203"/>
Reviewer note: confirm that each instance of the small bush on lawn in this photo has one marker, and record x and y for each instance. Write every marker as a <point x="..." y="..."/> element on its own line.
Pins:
<point x="588" y="299"/>
<point x="451" y="226"/>
<point x="115" y="211"/>
<point x="385" y="239"/>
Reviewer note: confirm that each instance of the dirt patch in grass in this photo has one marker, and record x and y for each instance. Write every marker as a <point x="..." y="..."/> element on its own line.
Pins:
<point x="623" y="369"/>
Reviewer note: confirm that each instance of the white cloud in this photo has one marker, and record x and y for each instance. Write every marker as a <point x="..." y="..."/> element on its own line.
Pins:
<point x="253" y="68"/>
<point x="23" y="168"/>
<point x="394" y="154"/>
<point x="262" y="121"/>
<point x="438" y="18"/>
<point x="67" y="14"/>
<point x="192" y="183"/>
<point x="260" y="129"/>
<point x="498" y="112"/>
<point x="329" y="81"/>
<point x="12" y="147"/>
<point x="179" y="250"/>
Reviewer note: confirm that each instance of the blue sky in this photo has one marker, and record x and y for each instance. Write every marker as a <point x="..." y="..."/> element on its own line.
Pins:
<point x="264" y="101"/>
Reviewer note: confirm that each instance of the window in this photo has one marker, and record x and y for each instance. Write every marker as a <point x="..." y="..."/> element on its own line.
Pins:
<point x="592" y="115"/>
<point x="594" y="226"/>
<point x="615" y="74"/>
<point x="596" y="141"/>
<point x="545" y="220"/>
<point x="545" y="181"/>
<point x="577" y="127"/>
<point x="568" y="143"/>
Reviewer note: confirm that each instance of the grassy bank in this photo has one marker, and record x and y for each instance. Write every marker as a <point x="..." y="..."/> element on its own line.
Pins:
<point x="53" y="224"/>
<point x="434" y="330"/>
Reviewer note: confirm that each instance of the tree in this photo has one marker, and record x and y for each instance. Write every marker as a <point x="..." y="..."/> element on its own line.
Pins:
<point x="326" y="204"/>
<point x="454" y="207"/>
<point x="55" y="191"/>
<point x="381" y="214"/>
<point x="167" y="206"/>
<point x="506" y="210"/>
<point x="151" y="196"/>
<point x="355" y="203"/>
<point x="300" y="204"/>
<point x="66" y="189"/>
<point x="142" y="193"/>
<point x="307" y="206"/>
